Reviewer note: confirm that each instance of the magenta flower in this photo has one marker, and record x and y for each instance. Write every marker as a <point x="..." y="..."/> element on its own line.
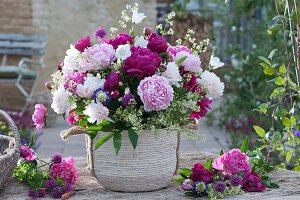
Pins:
<point x="220" y="186"/>
<point x="155" y="92"/>
<point x="56" y="158"/>
<point x="204" y="105"/>
<point x="148" y="30"/>
<point x="66" y="170"/>
<point x="252" y="183"/>
<point x="39" y="115"/>
<point x="128" y="100"/>
<point x="176" y="49"/>
<point x="123" y="38"/>
<point x="83" y="43"/>
<point x="157" y="43"/>
<point x="112" y="81"/>
<point x="142" y="62"/>
<point x="200" y="173"/>
<point x="232" y="162"/>
<point x="26" y="153"/>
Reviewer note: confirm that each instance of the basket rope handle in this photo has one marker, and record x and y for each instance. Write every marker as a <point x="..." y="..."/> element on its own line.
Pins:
<point x="13" y="128"/>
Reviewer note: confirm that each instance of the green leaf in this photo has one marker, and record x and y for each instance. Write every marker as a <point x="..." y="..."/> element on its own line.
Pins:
<point x="117" y="141"/>
<point x="133" y="136"/>
<point x="286" y="121"/>
<point x="183" y="175"/>
<point x="263" y="146"/>
<point x="192" y="194"/>
<point x="102" y="140"/>
<point x="264" y="65"/>
<point x="244" y="146"/>
<point x="179" y="61"/>
<point x="293" y="120"/>
<point x="277" y="137"/>
<point x="289" y="155"/>
<point x="178" y="180"/>
<point x="83" y="122"/>
<point x="282" y="69"/>
<point x="93" y="134"/>
<point x="274" y="28"/>
<point x="280" y="80"/>
<point x="273" y="185"/>
<point x="263" y="107"/>
<point x="259" y="131"/>
<point x="272" y="53"/>
<point x="163" y="54"/>
<point x="31" y="142"/>
<point x="270" y="71"/>
<point x="221" y="152"/>
<point x="186" y="171"/>
<point x="265" y="60"/>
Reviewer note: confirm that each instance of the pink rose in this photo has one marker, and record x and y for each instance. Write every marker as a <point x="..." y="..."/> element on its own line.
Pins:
<point x="200" y="173"/>
<point x="38" y="116"/>
<point x="252" y="183"/>
<point x="232" y="162"/>
<point x="155" y="92"/>
<point x="26" y="153"/>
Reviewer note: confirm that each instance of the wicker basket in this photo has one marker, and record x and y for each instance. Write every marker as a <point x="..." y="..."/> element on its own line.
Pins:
<point x="9" y="151"/>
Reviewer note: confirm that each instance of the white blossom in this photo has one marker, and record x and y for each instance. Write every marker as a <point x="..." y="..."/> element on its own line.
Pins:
<point x="123" y="51"/>
<point x="70" y="63"/>
<point x="96" y="112"/>
<point x="215" y="62"/>
<point x="90" y="84"/>
<point x="212" y="83"/>
<point x="60" y="100"/>
<point x="172" y="74"/>
<point x="137" y="17"/>
<point x="141" y="42"/>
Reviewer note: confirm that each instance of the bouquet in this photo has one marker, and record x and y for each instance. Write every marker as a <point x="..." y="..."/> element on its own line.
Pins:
<point x="132" y="82"/>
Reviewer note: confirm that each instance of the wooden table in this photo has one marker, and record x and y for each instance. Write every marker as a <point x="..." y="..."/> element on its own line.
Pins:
<point x="88" y="188"/>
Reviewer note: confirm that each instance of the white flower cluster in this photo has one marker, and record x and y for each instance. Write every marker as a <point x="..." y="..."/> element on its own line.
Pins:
<point x="212" y="83"/>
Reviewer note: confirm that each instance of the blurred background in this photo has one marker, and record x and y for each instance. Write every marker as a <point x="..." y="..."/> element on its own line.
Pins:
<point x="237" y="31"/>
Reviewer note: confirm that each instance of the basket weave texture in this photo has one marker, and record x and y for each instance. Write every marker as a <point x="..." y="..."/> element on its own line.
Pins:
<point x="9" y="151"/>
<point x="149" y="167"/>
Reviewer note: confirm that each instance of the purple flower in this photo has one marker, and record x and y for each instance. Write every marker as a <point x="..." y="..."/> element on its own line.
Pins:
<point x="112" y="81"/>
<point x="67" y="188"/>
<point x="100" y="33"/>
<point x="25" y="152"/>
<point x="157" y="43"/>
<point x="123" y="38"/>
<point x="32" y="194"/>
<point x="56" y="193"/>
<point x="220" y="186"/>
<point x="50" y="184"/>
<point x="56" y="158"/>
<point x="102" y="95"/>
<point x="252" y="183"/>
<point x="200" y="187"/>
<point x="186" y="185"/>
<point x="48" y="85"/>
<point x="142" y="63"/>
<point x="148" y="31"/>
<point x="37" y="194"/>
<point x="128" y="100"/>
<point x="83" y="43"/>
<point x="296" y="132"/>
<point x="236" y="180"/>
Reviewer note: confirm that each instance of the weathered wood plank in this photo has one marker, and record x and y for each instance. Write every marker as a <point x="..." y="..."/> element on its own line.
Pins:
<point x="22" y="51"/>
<point x="22" y="45"/>
<point x="19" y="37"/>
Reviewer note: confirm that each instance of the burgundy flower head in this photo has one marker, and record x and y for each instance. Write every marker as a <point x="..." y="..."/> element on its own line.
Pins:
<point x="112" y="81"/>
<point x="142" y="62"/>
<point x="123" y="38"/>
<point x="157" y="43"/>
<point x="200" y="173"/>
<point x="204" y="105"/>
<point x="83" y="43"/>
<point x="252" y="183"/>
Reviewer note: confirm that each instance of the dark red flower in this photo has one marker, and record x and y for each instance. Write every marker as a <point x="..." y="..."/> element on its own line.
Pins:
<point x="252" y="183"/>
<point x="200" y="173"/>
<point x="112" y="81"/>
<point x="157" y="43"/>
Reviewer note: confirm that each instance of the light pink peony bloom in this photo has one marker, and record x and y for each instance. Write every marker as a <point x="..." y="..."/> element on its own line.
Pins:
<point x="98" y="57"/>
<point x="96" y="112"/>
<point x="38" y="116"/>
<point x="155" y="92"/>
<point x="26" y="153"/>
<point x="232" y="162"/>
<point x="191" y="63"/>
<point x="66" y="170"/>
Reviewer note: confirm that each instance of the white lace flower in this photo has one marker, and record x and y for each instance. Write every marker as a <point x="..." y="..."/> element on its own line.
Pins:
<point x="60" y="100"/>
<point x="212" y="83"/>
<point x="137" y="17"/>
<point x="96" y="112"/>
<point x="123" y="51"/>
<point x="141" y="42"/>
<point x="70" y="63"/>
<point x="89" y="85"/>
<point x="215" y="62"/>
<point x="172" y="74"/>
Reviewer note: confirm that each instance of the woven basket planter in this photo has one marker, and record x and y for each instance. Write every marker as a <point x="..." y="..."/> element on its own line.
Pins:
<point x="9" y="151"/>
<point x="149" y="167"/>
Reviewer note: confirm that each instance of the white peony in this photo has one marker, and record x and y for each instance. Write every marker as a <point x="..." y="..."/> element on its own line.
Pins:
<point x="172" y="74"/>
<point x="215" y="62"/>
<point x="96" y="112"/>
<point x="141" y="42"/>
<point x="212" y="83"/>
<point x="89" y="85"/>
<point x="70" y="63"/>
<point x="123" y="51"/>
<point x="60" y="100"/>
<point x="137" y="17"/>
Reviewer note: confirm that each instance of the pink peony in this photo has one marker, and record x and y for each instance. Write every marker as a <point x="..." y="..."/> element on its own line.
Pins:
<point x="141" y="63"/>
<point x="66" y="170"/>
<point x="204" y="105"/>
<point x="112" y="81"/>
<point x="38" y="116"/>
<point x="82" y="44"/>
<point x="155" y="92"/>
<point x="200" y="173"/>
<point x="232" y="162"/>
<point x="98" y="57"/>
<point x="176" y="49"/>
<point x="73" y="117"/>
<point x="123" y="38"/>
<point x="192" y="63"/>
<point x="252" y="183"/>
<point x="26" y="153"/>
<point x="157" y="43"/>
